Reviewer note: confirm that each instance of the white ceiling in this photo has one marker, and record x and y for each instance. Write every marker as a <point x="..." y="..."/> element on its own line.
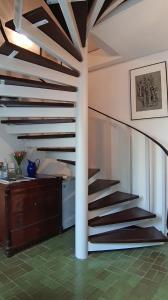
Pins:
<point x="136" y="29"/>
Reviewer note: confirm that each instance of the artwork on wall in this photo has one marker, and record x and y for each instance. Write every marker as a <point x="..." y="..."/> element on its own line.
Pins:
<point x="149" y="91"/>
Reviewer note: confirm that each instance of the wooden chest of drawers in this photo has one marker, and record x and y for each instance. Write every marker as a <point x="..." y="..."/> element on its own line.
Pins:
<point x="30" y="211"/>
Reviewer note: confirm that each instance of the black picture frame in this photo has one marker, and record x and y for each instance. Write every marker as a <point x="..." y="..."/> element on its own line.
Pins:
<point x="148" y="91"/>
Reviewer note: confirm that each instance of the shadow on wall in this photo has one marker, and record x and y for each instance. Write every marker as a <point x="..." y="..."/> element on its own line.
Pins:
<point x="8" y="144"/>
<point x="99" y="147"/>
<point x="51" y="166"/>
<point x="109" y="149"/>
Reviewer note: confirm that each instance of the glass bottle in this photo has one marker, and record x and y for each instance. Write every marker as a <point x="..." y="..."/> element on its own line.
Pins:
<point x="5" y="170"/>
<point x="1" y="169"/>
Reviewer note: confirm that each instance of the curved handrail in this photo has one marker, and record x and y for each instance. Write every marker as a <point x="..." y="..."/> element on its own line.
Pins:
<point x="121" y="122"/>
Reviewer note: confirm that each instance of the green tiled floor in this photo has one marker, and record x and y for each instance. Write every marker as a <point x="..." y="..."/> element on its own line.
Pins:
<point x="50" y="271"/>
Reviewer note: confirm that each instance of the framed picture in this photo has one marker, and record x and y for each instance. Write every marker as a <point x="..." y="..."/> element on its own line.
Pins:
<point x="149" y="92"/>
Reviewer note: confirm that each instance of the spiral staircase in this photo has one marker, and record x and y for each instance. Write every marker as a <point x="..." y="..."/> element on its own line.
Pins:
<point x="39" y="105"/>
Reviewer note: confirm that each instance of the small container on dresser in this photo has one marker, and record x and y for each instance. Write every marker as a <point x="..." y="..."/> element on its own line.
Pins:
<point x="1" y="169"/>
<point x="30" y="211"/>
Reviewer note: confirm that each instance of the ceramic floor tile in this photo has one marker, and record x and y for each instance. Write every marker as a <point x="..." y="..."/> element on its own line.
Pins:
<point x="50" y="271"/>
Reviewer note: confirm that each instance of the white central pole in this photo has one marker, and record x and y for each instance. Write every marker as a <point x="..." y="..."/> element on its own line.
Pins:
<point x="18" y="10"/>
<point x="81" y="201"/>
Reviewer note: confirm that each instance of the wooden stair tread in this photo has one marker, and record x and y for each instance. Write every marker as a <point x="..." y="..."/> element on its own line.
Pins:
<point x="112" y="199"/>
<point x="57" y="149"/>
<point x="130" y="235"/>
<point x="51" y="29"/>
<point x="101" y="184"/>
<point x="71" y="162"/>
<point x="11" y="80"/>
<point x="24" y="121"/>
<point x="23" y="54"/>
<point x="21" y="103"/>
<point x="92" y="172"/>
<point x="127" y="215"/>
<point x="57" y="12"/>
<point x="80" y="10"/>
<point x="46" y="136"/>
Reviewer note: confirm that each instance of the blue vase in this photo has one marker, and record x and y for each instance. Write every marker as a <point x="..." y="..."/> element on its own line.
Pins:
<point x="32" y="168"/>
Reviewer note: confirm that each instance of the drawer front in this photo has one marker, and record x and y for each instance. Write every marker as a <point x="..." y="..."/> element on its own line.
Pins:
<point x="31" y="234"/>
<point x="32" y="208"/>
<point x="31" y="217"/>
<point x="26" y="199"/>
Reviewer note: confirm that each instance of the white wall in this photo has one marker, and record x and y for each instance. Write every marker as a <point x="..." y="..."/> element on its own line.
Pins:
<point x="8" y="144"/>
<point x="109" y="143"/>
<point x="109" y="91"/>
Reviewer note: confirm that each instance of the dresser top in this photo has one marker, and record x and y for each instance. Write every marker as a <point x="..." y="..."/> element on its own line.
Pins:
<point x="24" y="182"/>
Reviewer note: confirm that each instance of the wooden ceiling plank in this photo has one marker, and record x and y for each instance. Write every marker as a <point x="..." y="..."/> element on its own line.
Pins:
<point x="93" y="14"/>
<point x="71" y="22"/>
<point x="110" y="8"/>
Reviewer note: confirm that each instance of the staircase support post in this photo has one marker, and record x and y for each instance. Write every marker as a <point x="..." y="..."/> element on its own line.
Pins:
<point x="81" y="197"/>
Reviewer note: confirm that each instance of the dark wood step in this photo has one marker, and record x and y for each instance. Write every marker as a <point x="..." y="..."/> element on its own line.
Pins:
<point x="101" y="184"/>
<point x="29" y="121"/>
<point x="127" y="215"/>
<point x="112" y="199"/>
<point x="70" y="162"/>
<point x="51" y="29"/>
<point x="11" y="80"/>
<point x="80" y="10"/>
<point x="57" y="149"/>
<point x="46" y="136"/>
<point x="27" y="103"/>
<point x="23" y="54"/>
<point x="92" y="172"/>
<point x="57" y="12"/>
<point x="130" y="235"/>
